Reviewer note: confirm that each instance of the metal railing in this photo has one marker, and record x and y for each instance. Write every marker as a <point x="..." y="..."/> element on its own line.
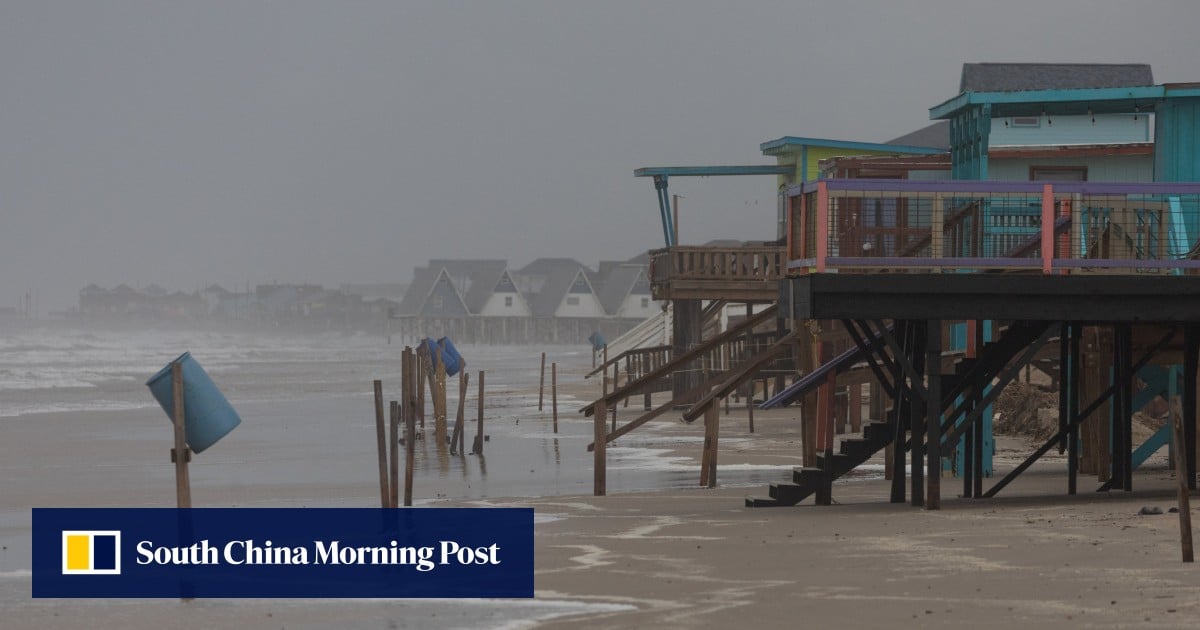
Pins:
<point x="1048" y="227"/>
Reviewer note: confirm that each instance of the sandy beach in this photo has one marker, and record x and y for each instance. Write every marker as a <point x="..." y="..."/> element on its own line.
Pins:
<point x="658" y="551"/>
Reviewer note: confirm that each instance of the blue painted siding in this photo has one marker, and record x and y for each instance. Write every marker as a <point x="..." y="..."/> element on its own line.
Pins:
<point x="1118" y="168"/>
<point x="1108" y="129"/>
<point x="1177" y="141"/>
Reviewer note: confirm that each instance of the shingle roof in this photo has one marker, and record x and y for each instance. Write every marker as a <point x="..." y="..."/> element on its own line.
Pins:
<point x="475" y="280"/>
<point x="935" y="136"/>
<point x="1012" y="77"/>
<point x="617" y="286"/>
<point x="558" y="282"/>
<point x="545" y="266"/>
<point x="418" y="290"/>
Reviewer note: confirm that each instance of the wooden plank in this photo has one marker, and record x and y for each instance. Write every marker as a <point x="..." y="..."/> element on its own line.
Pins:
<point x="670" y="366"/>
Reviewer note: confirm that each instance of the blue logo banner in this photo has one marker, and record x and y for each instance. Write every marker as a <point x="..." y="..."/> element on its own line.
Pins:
<point x="282" y="552"/>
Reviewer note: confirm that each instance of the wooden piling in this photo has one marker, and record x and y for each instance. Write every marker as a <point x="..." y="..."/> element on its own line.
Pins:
<point x="1181" y="477"/>
<point x="554" y="393"/>
<point x="542" y="382"/>
<point x="409" y="412"/>
<point x="708" y="459"/>
<point x="477" y="446"/>
<point x="456" y="438"/>
<point x="395" y="467"/>
<point x="419" y="362"/>
<point x="616" y="384"/>
<point x="439" y="402"/>
<point x="750" y="403"/>
<point x="181" y="454"/>
<point x="598" y="453"/>
<point x="381" y="442"/>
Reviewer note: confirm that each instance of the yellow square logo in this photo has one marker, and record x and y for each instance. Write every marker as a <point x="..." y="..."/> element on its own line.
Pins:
<point x="91" y="552"/>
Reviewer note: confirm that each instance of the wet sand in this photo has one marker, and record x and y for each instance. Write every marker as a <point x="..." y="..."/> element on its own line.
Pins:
<point x="685" y="558"/>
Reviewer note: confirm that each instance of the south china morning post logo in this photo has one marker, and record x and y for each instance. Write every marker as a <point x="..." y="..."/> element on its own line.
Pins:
<point x="86" y="552"/>
<point x="283" y="552"/>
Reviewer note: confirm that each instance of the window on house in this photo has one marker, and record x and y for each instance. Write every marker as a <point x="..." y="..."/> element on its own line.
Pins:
<point x="1058" y="173"/>
<point x="437" y="301"/>
<point x="1026" y="121"/>
<point x="508" y="301"/>
<point x="572" y="301"/>
<point x="645" y="302"/>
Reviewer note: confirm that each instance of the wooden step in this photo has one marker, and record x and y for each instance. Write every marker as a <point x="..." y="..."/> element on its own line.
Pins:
<point x="760" y="501"/>
<point x="790" y="493"/>
<point x="806" y="475"/>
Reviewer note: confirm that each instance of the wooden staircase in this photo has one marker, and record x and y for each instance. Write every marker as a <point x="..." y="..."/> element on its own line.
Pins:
<point x="968" y="373"/>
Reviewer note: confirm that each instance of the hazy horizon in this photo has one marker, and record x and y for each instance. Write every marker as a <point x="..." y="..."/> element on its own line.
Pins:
<point x="184" y="144"/>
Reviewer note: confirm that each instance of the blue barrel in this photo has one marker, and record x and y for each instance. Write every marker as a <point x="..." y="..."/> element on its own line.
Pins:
<point x="207" y="414"/>
<point x="449" y="354"/>
<point x="598" y="340"/>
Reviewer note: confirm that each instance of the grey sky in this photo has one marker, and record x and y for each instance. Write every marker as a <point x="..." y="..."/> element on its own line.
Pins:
<point x="233" y="142"/>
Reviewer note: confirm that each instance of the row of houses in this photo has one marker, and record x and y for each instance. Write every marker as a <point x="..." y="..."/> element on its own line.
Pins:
<point x="549" y="300"/>
<point x="299" y="306"/>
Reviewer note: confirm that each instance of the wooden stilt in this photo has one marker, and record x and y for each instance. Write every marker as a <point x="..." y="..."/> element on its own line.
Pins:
<point x="616" y="383"/>
<point x="456" y="438"/>
<point x="395" y="444"/>
<point x="381" y="442"/>
<point x="933" y="410"/>
<point x="750" y="404"/>
<point x="542" y="382"/>
<point x="410" y="446"/>
<point x="712" y="430"/>
<point x="419" y="361"/>
<point x="1185" y="507"/>
<point x="600" y="440"/>
<point x="554" y="393"/>
<point x="477" y="447"/>
<point x="181" y="454"/>
<point x="439" y="403"/>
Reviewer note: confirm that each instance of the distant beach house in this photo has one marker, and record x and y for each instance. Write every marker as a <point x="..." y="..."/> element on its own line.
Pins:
<point x="549" y="299"/>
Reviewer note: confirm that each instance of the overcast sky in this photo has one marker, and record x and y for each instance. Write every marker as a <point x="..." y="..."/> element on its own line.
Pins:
<point x="232" y="142"/>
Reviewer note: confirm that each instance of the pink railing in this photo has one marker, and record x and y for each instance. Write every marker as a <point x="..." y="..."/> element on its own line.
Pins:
<point x="1048" y="227"/>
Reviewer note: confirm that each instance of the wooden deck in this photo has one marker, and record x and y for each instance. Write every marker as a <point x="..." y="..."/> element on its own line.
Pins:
<point x="735" y="274"/>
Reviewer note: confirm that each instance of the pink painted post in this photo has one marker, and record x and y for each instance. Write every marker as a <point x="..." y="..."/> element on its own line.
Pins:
<point x="822" y="225"/>
<point x="1047" y="227"/>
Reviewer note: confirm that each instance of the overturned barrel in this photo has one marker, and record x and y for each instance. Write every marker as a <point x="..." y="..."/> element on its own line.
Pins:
<point x="450" y="356"/>
<point x="207" y="414"/>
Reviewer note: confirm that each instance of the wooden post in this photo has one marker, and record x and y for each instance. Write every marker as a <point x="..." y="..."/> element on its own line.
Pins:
<point x="420" y="384"/>
<point x="439" y="402"/>
<point x="933" y="418"/>
<point x="616" y="384"/>
<point x="181" y="454"/>
<point x="601" y="442"/>
<point x="542" y="382"/>
<point x="1185" y="507"/>
<point x="409" y="413"/>
<point x="456" y="439"/>
<point x="554" y="393"/>
<point x="750" y="403"/>
<point x="477" y="447"/>
<point x="708" y="459"/>
<point x="395" y="467"/>
<point x="381" y="441"/>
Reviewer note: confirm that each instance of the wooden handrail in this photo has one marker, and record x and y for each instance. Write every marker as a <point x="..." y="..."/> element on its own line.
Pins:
<point x="637" y="386"/>
<point x="628" y="353"/>
<point x="738" y="375"/>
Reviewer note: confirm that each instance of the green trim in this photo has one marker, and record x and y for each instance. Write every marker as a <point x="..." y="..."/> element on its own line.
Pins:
<point x="789" y="144"/>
